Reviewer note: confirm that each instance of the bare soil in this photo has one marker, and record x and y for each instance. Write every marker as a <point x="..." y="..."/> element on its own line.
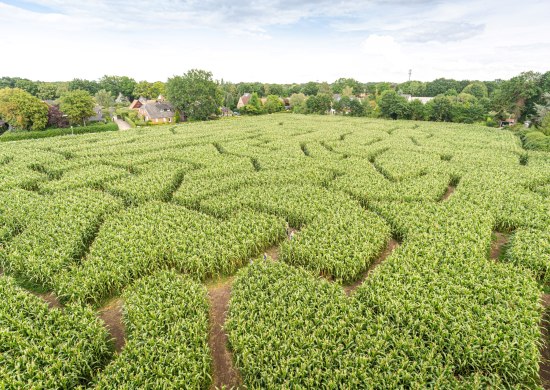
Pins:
<point x="544" y="368"/>
<point x="225" y="375"/>
<point x="448" y="193"/>
<point x="50" y="299"/>
<point x="497" y="246"/>
<point x="392" y="245"/>
<point x="112" y="317"/>
<point x="273" y="253"/>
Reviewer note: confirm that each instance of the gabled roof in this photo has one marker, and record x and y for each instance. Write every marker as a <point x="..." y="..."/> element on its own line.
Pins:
<point x="158" y="110"/>
<point x="136" y="104"/>
<point x="245" y="98"/>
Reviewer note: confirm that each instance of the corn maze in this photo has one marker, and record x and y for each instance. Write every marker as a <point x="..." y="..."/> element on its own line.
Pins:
<point x="355" y="253"/>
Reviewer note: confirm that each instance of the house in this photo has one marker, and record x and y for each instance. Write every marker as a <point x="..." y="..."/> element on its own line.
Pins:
<point x="286" y="102"/>
<point x="507" y="122"/>
<point x="423" y="99"/>
<point x="98" y="117"/>
<point x="243" y="100"/>
<point x="157" y="112"/>
<point x="137" y="103"/>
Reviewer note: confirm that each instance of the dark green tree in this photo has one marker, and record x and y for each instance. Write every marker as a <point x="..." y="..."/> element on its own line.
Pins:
<point x="392" y="105"/>
<point x="27" y="85"/>
<point x="310" y="89"/>
<point x="195" y="94"/>
<point x="78" y="105"/>
<point x="22" y="110"/>
<point x="47" y="91"/>
<point x="417" y="110"/>
<point x="118" y="84"/>
<point x="319" y="104"/>
<point x="439" y="109"/>
<point x="86" y="85"/>
<point x="477" y="89"/>
<point x="339" y="85"/>
<point x="273" y="104"/>
<point x="104" y="98"/>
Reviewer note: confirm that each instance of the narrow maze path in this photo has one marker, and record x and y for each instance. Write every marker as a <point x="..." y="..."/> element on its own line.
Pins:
<point x="390" y="247"/>
<point x="111" y="315"/>
<point x="224" y="375"/>
<point x="50" y="299"/>
<point x="448" y="193"/>
<point x="498" y="245"/>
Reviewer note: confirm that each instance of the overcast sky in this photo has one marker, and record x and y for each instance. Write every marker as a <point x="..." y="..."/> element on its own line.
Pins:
<point x="274" y="41"/>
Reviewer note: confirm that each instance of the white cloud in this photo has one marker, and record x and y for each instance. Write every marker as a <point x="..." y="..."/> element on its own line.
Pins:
<point x="275" y="41"/>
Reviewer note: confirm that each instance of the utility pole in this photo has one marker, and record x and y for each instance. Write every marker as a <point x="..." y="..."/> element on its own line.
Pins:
<point x="410" y="72"/>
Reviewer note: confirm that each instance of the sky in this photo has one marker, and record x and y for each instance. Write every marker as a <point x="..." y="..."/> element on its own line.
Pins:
<point x="274" y="41"/>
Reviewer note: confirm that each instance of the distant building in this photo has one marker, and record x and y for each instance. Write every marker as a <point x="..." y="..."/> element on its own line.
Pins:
<point x="507" y="122"/>
<point x="157" y="112"/>
<point x="98" y="117"/>
<point x="136" y="104"/>
<point x="423" y="99"/>
<point x="243" y="100"/>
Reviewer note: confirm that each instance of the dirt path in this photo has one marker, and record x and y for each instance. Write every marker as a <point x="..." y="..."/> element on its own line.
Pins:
<point x="112" y="317"/>
<point x="497" y="246"/>
<point x="224" y="373"/>
<point x="544" y="368"/>
<point x="448" y="193"/>
<point x="392" y="245"/>
<point x="50" y="299"/>
<point x="122" y="125"/>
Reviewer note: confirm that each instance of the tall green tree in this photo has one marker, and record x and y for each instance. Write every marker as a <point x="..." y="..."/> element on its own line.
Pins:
<point x="467" y="108"/>
<point x="104" y="98"/>
<point x="22" y="110"/>
<point x="298" y="103"/>
<point x="440" y="108"/>
<point x="86" y="85"/>
<point x="339" y="85"/>
<point x="118" y="84"/>
<point x="149" y="90"/>
<point x="311" y="88"/>
<point x="195" y="94"/>
<point x="47" y="91"/>
<point x="477" y="89"/>
<point x="78" y="105"/>
<point x="273" y="104"/>
<point x="417" y="110"/>
<point x="392" y="105"/>
<point x="27" y="85"/>
<point x="254" y="106"/>
<point x="319" y="104"/>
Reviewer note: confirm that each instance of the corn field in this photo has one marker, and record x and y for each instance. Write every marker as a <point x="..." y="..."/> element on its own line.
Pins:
<point x="153" y="216"/>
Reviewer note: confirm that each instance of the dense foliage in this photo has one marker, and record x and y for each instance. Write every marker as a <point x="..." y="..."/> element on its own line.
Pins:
<point x="166" y="318"/>
<point x="151" y="214"/>
<point x="195" y="94"/>
<point x="43" y="348"/>
<point x="22" y="110"/>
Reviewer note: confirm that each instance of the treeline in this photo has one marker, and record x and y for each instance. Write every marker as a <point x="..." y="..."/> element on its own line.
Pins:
<point x="117" y="86"/>
<point x="466" y="101"/>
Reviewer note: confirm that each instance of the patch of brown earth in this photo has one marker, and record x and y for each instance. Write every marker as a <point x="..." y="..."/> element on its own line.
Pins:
<point x="50" y="299"/>
<point x="112" y="317"/>
<point x="224" y="375"/>
<point x="448" y="193"/>
<point x="497" y="246"/>
<point x="392" y="245"/>
<point x="273" y="253"/>
<point x="544" y="367"/>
